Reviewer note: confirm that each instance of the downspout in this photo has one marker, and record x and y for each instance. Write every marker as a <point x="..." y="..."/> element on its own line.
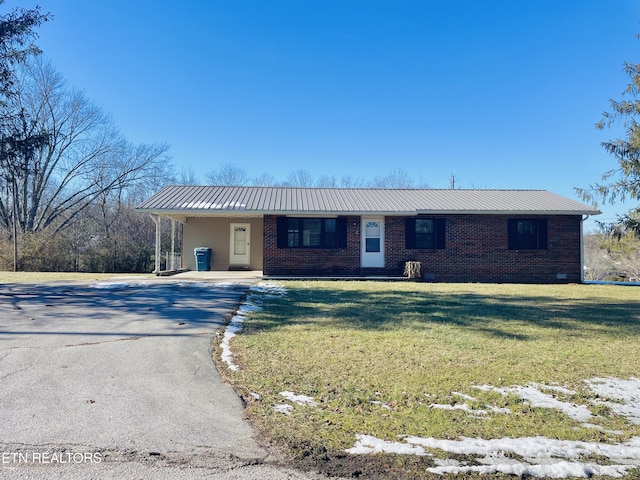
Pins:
<point x="157" y="220"/>
<point x="582" y="247"/>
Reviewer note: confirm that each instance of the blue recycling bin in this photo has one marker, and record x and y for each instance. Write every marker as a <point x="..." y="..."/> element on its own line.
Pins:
<point x="203" y="258"/>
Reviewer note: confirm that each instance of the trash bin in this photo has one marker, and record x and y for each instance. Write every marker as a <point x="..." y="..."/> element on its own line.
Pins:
<point x="203" y="258"/>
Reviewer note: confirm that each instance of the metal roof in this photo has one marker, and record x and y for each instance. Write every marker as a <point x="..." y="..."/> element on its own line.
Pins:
<point x="231" y="201"/>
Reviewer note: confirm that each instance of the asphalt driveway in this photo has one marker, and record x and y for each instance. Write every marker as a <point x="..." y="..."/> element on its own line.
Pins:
<point x="117" y="379"/>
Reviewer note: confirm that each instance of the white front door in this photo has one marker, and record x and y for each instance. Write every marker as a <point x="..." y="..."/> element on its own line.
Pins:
<point x="240" y="244"/>
<point x="372" y="246"/>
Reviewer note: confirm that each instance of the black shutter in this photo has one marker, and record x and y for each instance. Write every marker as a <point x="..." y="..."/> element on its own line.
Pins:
<point x="410" y="233"/>
<point x="542" y="234"/>
<point x="341" y="232"/>
<point x="440" y="232"/>
<point x="283" y="232"/>
<point x="513" y="234"/>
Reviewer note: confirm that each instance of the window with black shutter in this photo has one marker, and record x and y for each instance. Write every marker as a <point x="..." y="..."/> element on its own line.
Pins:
<point x="425" y="233"/>
<point x="527" y="234"/>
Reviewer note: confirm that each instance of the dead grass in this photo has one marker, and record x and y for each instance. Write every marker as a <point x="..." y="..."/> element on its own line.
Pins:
<point x="375" y="355"/>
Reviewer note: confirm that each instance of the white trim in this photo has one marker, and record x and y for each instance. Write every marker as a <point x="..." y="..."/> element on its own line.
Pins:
<point x="239" y="260"/>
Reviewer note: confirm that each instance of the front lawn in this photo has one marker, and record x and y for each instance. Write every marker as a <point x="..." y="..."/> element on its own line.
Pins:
<point x="373" y="368"/>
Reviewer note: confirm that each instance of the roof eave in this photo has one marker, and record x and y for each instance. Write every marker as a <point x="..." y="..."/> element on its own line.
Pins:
<point x="507" y="212"/>
<point x="225" y="213"/>
<point x="253" y="213"/>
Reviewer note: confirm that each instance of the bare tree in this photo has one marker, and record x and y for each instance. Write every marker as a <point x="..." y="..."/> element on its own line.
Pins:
<point x="299" y="178"/>
<point x="598" y="261"/>
<point x="187" y="177"/>
<point x="264" y="180"/>
<point x="352" y="182"/>
<point x="397" y="178"/>
<point x="327" y="181"/>
<point x="85" y="155"/>
<point x="228" y="174"/>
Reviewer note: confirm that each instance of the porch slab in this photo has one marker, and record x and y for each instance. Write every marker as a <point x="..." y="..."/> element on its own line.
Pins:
<point x="376" y="278"/>
<point x="219" y="275"/>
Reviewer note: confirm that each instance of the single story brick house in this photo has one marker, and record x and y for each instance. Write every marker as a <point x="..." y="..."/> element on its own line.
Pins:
<point x="530" y="236"/>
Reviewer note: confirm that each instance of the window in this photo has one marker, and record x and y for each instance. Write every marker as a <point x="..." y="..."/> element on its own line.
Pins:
<point x="425" y="233"/>
<point x="527" y="234"/>
<point x="372" y="232"/>
<point x="311" y="232"/>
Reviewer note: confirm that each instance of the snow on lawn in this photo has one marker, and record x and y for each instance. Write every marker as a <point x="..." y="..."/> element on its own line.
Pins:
<point x="251" y="304"/>
<point x="540" y="457"/>
<point x="299" y="399"/>
<point x="533" y="395"/>
<point x="625" y="392"/>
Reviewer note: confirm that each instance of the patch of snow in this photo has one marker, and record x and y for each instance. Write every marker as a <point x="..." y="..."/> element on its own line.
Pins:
<point x="556" y="470"/>
<point x="598" y="427"/>
<point x="382" y="404"/>
<point x="367" y="444"/>
<point x="465" y="407"/>
<point x="457" y="406"/>
<point x="214" y="206"/>
<point x="502" y="410"/>
<point x="285" y="409"/>
<point x="626" y="391"/>
<point x="547" y="458"/>
<point x="535" y="449"/>
<point x="490" y="388"/>
<point x="553" y="388"/>
<point x="447" y="462"/>
<point x="251" y="304"/>
<point x="270" y="289"/>
<point x="463" y="396"/>
<point x="232" y="329"/>
<point x="540" y="457"/>
<point x="536" y="398"/>
<point x="299" y="399"/>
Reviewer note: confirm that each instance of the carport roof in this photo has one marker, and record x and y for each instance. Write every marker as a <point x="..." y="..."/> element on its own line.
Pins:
<point x="240" y="201"/>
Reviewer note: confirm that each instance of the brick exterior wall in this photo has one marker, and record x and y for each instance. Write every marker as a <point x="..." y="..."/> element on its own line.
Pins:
<point x="476" y="250"/>
<point x="311" y="261"/>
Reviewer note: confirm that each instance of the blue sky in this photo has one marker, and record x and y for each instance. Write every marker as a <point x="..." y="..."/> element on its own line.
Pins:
<point x="501" y="94"/>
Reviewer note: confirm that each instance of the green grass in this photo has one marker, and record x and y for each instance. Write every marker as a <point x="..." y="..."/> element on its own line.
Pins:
<point x="32" y="277"/>
<point x="409" y="345"/>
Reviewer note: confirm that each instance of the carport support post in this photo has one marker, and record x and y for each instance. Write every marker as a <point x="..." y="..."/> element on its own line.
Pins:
<point x="173" y="246"/>
<point x="157" y="220"/>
